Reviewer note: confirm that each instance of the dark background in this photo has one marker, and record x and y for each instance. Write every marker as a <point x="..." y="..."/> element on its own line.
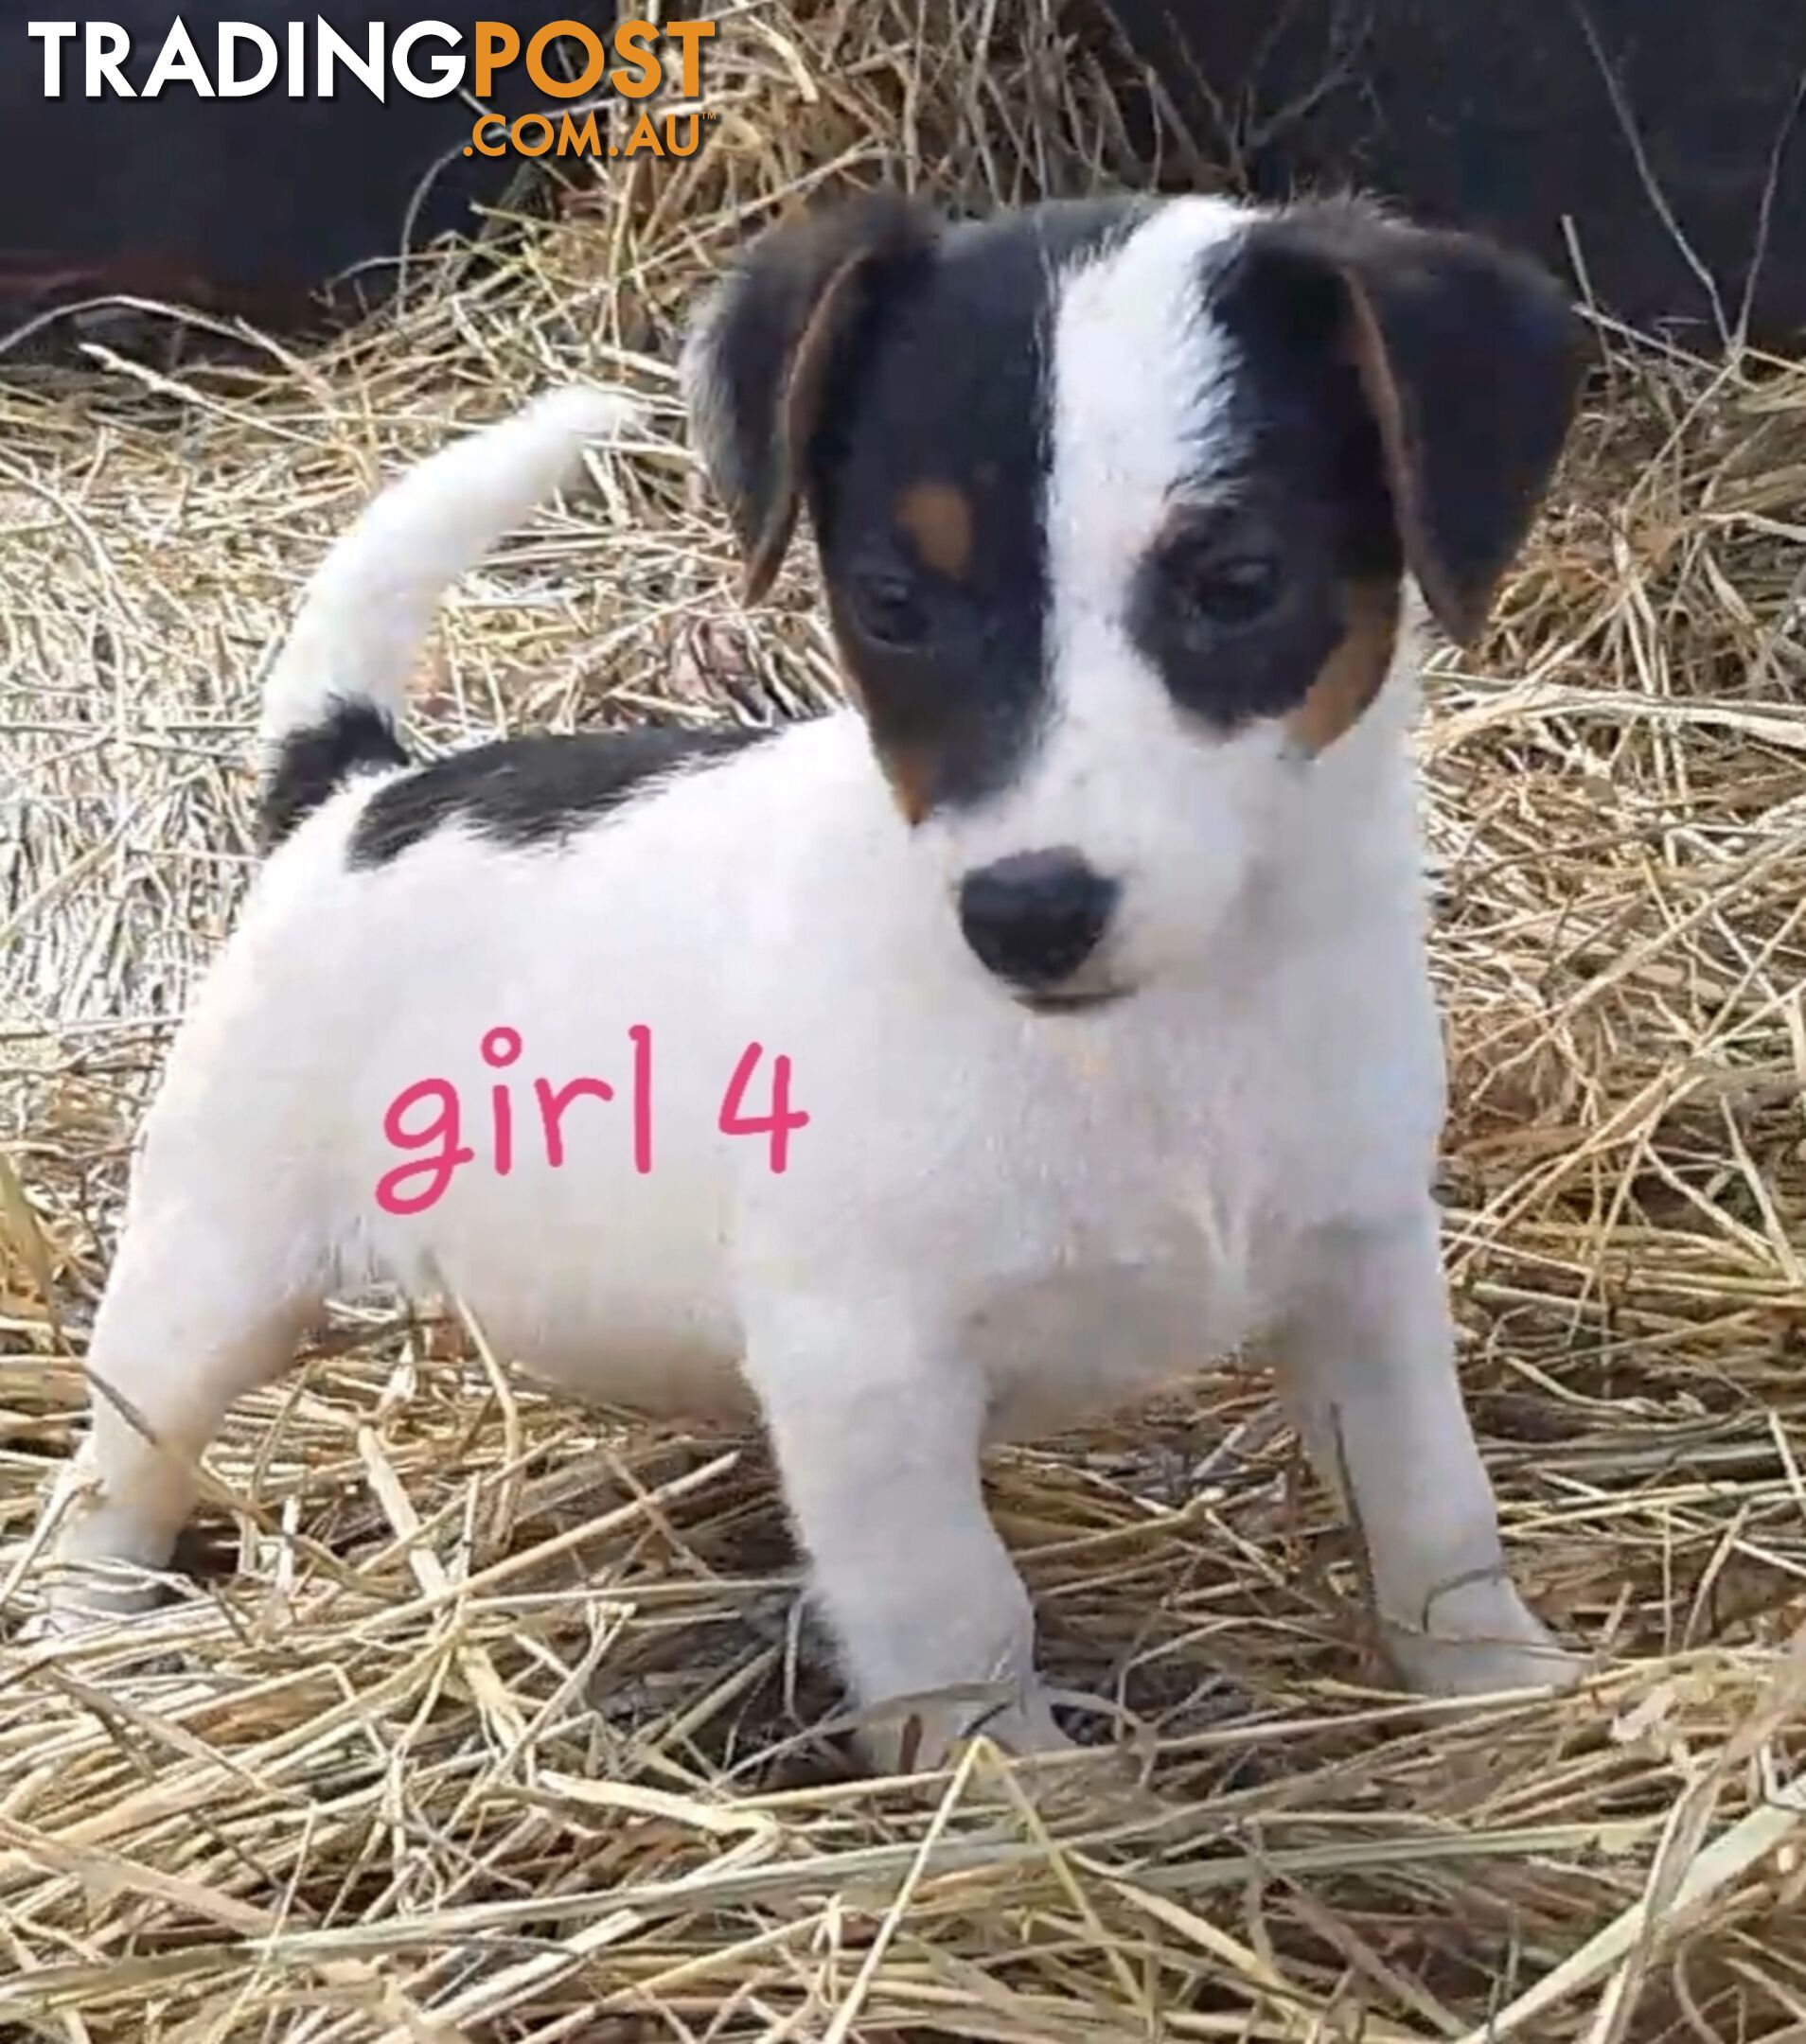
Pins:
<point x="1500" y="115"/>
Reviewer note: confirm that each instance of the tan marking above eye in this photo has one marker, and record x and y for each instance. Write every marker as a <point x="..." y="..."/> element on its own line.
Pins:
<point x="938" y="517"/>
<point x="1353" y="673"/>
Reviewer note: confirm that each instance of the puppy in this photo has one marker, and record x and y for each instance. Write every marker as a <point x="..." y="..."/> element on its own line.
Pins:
<point x="1090" y="946"/>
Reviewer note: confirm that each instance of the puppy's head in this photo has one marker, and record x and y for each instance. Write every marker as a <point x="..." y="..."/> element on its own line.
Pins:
<point x="1115" y="504"/>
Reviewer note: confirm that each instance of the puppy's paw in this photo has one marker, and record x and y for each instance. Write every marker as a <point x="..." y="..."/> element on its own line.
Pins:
<point x="1482" y="1641"/>
<point x="923" y="1737"/>
<point x="83" y="1597"/>
<point x="1476" y="1668"/>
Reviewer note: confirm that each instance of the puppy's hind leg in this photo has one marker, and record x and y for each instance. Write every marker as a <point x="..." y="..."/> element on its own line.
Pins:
<point x="207" y="1299"/>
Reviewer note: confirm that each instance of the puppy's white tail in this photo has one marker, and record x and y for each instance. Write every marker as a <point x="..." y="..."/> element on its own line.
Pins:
<point x="336" y="689"/>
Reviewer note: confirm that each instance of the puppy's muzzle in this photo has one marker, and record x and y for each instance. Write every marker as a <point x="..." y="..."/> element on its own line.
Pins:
<point x="1034" y="917"/>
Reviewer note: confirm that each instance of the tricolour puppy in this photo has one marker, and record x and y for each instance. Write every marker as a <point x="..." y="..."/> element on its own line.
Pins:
<point x="1091" y="946"/>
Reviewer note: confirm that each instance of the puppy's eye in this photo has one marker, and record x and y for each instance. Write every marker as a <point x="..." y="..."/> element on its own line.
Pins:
<point x="888" y="607"/>
<point x="1224" y="591"/>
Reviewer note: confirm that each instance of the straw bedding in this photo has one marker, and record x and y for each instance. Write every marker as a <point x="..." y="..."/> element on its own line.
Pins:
<point x="495" y="1718"/>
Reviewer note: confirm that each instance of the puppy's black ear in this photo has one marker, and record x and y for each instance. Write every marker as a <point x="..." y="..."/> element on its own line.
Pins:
<point x="1470" y="359"/>
<point x="759" y="360"/>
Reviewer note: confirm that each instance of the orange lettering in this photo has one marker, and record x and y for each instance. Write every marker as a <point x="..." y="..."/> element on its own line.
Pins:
<point x="633" y="42"/>
<point x="595" y="58"/>
<point x="645" y="136"/>
<point x="521" y="128"/>
<point x="497" y="47"/>
<point x="576" y="141"/>
<point x="686" y="35"/>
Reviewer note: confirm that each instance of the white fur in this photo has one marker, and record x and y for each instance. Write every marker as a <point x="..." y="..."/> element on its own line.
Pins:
<point x="370" y="603"/>
<point x="994" y="1224"/>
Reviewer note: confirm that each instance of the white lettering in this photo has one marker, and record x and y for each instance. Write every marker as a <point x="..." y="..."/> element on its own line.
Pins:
<point x="52" y="34"/>
<point x="105" y="45"/>
<point x="448" y="73"/>
<point x="180" y="61"/>
<point x="335" y="49"/>
<point x="232" y="34"/>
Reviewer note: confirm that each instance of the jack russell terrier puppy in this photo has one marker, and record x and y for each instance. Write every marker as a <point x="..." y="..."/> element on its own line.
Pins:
<point x="1081" y="967"/>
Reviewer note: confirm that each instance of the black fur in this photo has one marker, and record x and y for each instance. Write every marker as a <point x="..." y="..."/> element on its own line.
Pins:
<point x="952" y="382"/>
<point x="310" y="764"/>
<point x="948" y="382"/>
<point x="777" y="292"/>
<point x="1478" y="349"/>
<point x="1297" y="481"/>
<point x="1485" y="354"/>
<point x="931" y="370"/>
<point x="535" y="790"/>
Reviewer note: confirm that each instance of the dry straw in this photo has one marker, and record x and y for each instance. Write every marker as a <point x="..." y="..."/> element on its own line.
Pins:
<point x="498" y="1722"/>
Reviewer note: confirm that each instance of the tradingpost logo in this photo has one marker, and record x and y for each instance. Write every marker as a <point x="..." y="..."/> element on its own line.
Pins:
<point x="425" y="59"/>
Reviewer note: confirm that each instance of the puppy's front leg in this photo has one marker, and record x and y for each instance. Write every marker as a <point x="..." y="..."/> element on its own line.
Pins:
<point x="1365" y="1364"/>
<point x="876" y="1435"/>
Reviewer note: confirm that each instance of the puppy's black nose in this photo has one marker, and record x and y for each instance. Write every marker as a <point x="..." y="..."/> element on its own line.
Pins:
<point x="1036" y="917"/>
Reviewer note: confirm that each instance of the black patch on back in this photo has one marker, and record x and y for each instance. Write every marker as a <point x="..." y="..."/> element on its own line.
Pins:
<point x="943" y="379"/>
<point x="310" y="764"/>
<point x="535" y="790"/>
<point x="1296" y="478"/>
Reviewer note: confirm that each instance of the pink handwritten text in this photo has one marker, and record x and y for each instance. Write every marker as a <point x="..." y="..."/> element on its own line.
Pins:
<point x="426" y="1119"/>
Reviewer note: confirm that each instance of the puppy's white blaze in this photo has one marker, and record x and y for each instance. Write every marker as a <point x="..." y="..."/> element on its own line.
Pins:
<point x="371" y="603"/>
<point x="1141" y="377"/>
